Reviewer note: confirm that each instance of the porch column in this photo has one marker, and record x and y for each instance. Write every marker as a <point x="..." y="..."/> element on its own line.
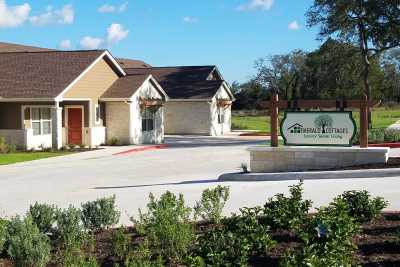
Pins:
<point x="56" y="126"/>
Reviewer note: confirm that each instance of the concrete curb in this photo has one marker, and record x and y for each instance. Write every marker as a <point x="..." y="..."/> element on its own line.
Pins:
<point x="312" y="175"/>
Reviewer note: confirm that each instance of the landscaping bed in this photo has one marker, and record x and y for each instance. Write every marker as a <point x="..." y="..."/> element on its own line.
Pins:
<point x="350" y="231"/>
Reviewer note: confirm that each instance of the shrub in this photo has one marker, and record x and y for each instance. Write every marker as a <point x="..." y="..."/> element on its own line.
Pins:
<point x="120" y="243"/>
<point x="5" y="147"/>
<point x="212" y="203"/>
<point x="327" y="238"/>
<point x="70" y="231"/>
<point x="380" y="135"/>
<point x="27" y="246"/>
<point x="44" y="216"/>
<point x="167" y="226"/>
<point x="3" y="228"/>
<point x="141" y="257"/>
<point x="239" y="237"/>
<point x="76" y="258"/>
<point x="361" y="206"/>
<point x="287" y="212"/>
<point x="113" y="142"/>
<point x="100" y="214"/>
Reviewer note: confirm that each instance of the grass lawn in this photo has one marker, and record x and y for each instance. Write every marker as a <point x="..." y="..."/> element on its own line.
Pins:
<point x="381" y="118"/>
<point x="28" y="156"/>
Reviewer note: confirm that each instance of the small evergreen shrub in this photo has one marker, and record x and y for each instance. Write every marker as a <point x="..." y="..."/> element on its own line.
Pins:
<point x="113" y="142"/>
<point x="120" y="243"/>
<point x="76" y="258"/>
<point x="3" y="231"/>
<point x="327" y="239"/>
<point x="212" y="203"/>
<point x="281" y="212"/>
<point x="5" y="147"/>
<point x="361" y="206"/>
<point x="27" y="246"/>
<point x="239" y="237"/>
<point x="167" y="226"/>
<point x="70" y="232"/>
<point x="44" y="216"/>
<point x="100" y="214"/>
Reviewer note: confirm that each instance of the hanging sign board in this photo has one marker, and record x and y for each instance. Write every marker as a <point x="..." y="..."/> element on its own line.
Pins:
<point x="318" y="128"/>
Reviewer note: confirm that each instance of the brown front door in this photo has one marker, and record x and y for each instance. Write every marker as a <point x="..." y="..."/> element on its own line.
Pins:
<point x="75" y="126"/>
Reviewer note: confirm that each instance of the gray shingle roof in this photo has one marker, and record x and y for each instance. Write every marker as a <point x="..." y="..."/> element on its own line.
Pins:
<point x="186" y="82"/>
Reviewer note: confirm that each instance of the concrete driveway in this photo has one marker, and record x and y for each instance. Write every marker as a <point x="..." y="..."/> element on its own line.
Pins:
<point x="188" y="165"/>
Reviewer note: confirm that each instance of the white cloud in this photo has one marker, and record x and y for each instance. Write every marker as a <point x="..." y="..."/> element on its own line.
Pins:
<point x="89" y="42"/>
<point x="116" y="33"/>
<point x="106" y="8"/>
<point x="65" y="44"/>
<point x="13" y="16"/>
<point x="256" y="4"/>
<point x="190" y="20"/>
<point x="294" y="25"/>
<point x="65" y="15"/>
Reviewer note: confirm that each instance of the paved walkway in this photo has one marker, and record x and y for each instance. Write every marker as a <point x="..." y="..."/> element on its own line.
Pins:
<point x="189" y="165"/>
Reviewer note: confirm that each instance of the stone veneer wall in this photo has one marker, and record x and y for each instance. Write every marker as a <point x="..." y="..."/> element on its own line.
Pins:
<point x="286" y="159"/>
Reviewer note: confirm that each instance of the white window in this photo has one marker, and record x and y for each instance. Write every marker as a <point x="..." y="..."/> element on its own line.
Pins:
<point x="98" y="113"/>
<point x="41" y="121"/>
<point x="148" y="120"/>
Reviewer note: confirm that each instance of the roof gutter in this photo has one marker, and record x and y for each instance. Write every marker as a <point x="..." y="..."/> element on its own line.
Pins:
<point x="2" y="99"/>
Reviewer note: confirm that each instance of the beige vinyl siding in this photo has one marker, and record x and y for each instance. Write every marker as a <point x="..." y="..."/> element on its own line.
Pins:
<point x="92" y="85"/>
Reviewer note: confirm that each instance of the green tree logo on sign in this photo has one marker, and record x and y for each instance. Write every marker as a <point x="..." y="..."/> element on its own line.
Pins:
<point x="323" y="121"/>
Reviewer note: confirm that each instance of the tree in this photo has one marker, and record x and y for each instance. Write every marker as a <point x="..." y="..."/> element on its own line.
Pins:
<point x="373" y="25"/>
<point x="281" y="73"/>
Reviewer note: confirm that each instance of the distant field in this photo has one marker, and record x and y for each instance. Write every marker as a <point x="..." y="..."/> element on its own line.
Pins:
<point x="381" y="118"/>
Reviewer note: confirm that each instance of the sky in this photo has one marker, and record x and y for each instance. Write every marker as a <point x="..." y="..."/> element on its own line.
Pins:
<point x="231" y="34"/>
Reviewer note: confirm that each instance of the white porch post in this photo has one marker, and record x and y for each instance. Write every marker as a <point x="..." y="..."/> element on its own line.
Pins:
<point x="56" y="125"/>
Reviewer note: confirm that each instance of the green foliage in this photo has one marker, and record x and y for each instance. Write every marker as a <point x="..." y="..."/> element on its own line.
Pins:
<point x="113" y="142"/>
<point x="44" y="216"/>
<point x="5" y="147"/>
<point x="281" y="212"/>
<point x="141" y="257"/>
<point x="327" y="238"/>
<point x="120" y="243"/>
<point x="361" y="206"/>
<point x="212" y="203"/>
<point x="167" y="226"/>
<point x="70" y="232"/>
<point x="100" y="214"/>
<point x="380" y="135"/>
<point x="3" y="231"/>
<point x="234" y="242"/>
<point x="76" y="258"/>
<point x="26" y="245"/>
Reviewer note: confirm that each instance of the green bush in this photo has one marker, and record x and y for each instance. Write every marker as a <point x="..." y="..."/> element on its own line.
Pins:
<point x="212" y="203"/>
<point x="44" y="216"/>
<point x="76" y="258"/>
<point x="3" y="231"/>
<point x="288" y="213"/>
<point x="100" y="214"/>
<point x="113" y="142"/>
<point x="120" y="243"/>
<point x="167" y="226"/>
<point x="380" y="135"/>
<point x="361" y="206"/>
<point x="232" y="244"/>
<point x="327" y="238"/>
<point x="70" y="232"/>
<point x="26" y="245"/>
<point x="6" y="148"/>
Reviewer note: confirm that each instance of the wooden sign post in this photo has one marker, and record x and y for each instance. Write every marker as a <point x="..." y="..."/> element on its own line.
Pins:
<point x="275" y="104"/>
<point x="274" y="120"/>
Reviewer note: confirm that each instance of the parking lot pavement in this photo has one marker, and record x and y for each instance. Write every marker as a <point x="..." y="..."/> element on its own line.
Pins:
<point x="189" y="165"/>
